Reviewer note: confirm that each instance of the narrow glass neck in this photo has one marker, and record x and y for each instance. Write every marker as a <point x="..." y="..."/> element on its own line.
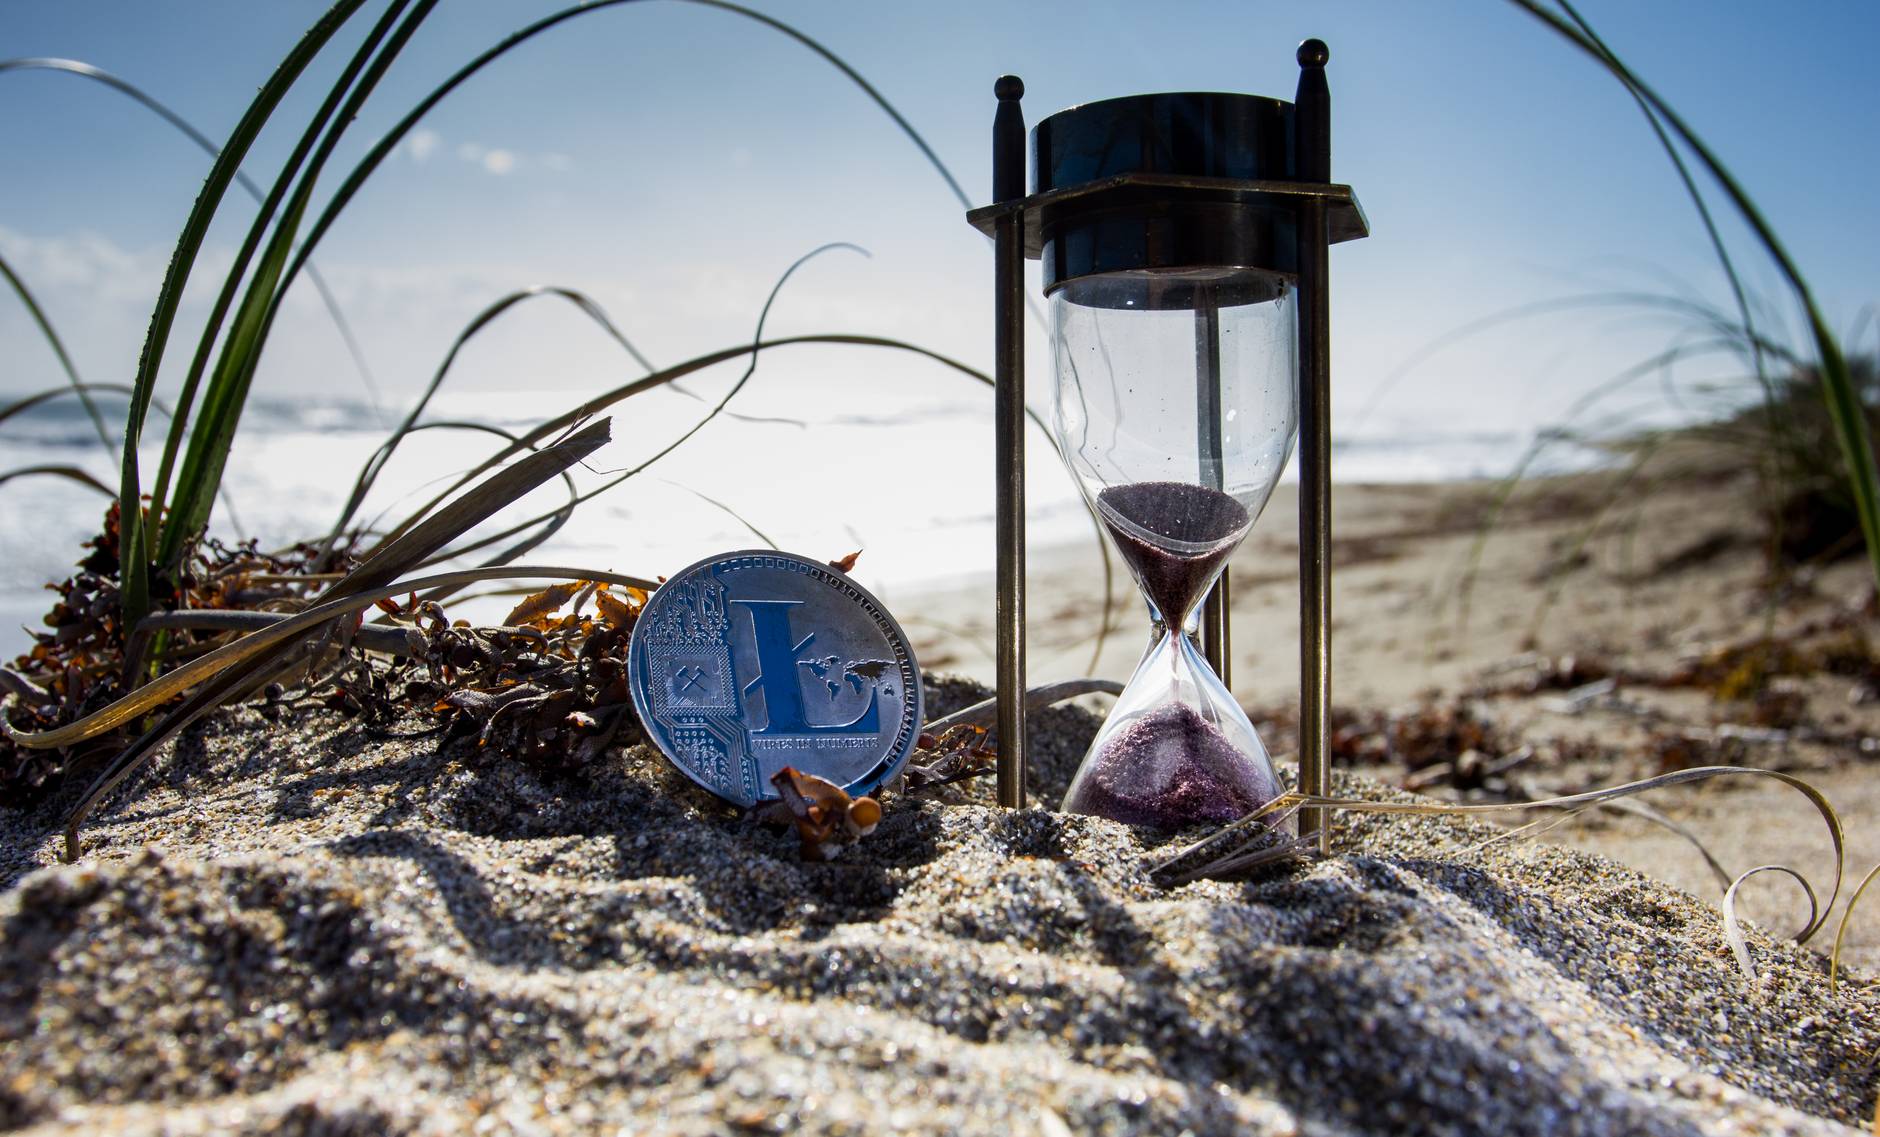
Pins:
<point x="1189" y="616"/>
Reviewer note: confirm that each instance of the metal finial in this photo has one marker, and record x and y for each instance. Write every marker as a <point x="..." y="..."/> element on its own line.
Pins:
<point x="1314" y="53"/>
<point x="1008" y="140"/>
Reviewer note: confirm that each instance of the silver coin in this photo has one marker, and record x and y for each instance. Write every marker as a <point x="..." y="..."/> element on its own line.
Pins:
<point x="748" y="662"/>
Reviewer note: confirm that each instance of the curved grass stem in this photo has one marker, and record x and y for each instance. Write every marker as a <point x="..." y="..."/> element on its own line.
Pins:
<point x="1840" y="397"/>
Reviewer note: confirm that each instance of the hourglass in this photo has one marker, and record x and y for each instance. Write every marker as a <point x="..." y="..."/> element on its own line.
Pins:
<point x="1176" y="463"/>
<point x="1184" y="244"/>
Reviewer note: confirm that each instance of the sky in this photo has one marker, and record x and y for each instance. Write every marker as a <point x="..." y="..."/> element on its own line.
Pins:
<point x="672" y="160"/>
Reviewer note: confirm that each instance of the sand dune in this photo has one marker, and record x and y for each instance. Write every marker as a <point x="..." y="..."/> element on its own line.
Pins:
<point x="317" y="931"/>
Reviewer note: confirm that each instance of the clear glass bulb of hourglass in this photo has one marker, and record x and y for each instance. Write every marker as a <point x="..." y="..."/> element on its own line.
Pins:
<point x="1175" y="408"/>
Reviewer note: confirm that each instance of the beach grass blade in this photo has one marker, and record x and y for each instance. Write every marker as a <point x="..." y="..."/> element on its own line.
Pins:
<point x="368" y="475"/>
<point x="227" y="672"/>
<point x="1840" y="931"/>
<point x="211" y="438"/>
<point x="731" y="513"/>
<point x="986" y="711"/>
<point x="384" y="147"/>
<point x="1839" y="392"/>
<point x="404" y="552"/>
<point x="68" y="472"/>
<point x="207" y="145"/>
<point x="182" y="511"/>
<point x="369" y="577"/>
<point x="28" y="402"/>
<point x="75" y="385"/>
<point x="1733" y="927"/>
<point x="135" y="540"/>
<point x="64" y="470"/>
<point x="1227" y="841"/>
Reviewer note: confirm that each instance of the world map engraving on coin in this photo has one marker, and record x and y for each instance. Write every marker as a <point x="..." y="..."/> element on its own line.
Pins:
<point x="748" y="662"/>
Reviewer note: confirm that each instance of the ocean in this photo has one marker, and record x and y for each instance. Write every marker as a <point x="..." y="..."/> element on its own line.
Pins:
<point x="911" y="488"/>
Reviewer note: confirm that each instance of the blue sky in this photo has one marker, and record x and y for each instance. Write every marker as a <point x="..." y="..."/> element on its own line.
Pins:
<point x="673" y="160"/>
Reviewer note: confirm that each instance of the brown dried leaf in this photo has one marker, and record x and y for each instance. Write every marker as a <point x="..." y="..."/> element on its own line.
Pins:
<point x="844" y="564"/>
<point x="826" y="818"/>
<point x="542" y="603"/>
<point x="618" y="613"/>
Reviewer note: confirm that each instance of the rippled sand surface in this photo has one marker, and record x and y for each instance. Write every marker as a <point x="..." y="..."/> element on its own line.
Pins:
<point x="313" y="930"/>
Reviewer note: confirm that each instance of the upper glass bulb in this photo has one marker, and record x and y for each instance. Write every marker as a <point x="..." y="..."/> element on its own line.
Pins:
<point x="1176" y="408"/>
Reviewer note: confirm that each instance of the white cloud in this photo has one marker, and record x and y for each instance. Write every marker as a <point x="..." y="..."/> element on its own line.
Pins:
<point x="85" y="263"/>
<point x="422" y="144"/>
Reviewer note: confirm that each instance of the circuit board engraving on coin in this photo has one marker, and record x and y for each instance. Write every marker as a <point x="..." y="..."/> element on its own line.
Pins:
<point x="748" y="662"/>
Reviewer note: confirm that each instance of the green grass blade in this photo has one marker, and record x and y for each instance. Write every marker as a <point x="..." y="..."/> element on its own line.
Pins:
<point x="1737" y="291"/>
<point x="69" y="473"/>
<point x="209" y="442"/>
<point x="1841" y="399"/>
<point x="136" y="582"/>
<point x="207" y="145"/>
<point x="227" y="394"/>
<point x="369" y="474"/>
<point x="75" y="384"/>
<point x="392" y="137"/>
<point x="27" y="403"/>
<point x="251" y="244"/>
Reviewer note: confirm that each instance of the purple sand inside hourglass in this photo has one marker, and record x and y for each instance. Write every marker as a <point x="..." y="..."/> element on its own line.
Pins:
<point x="1171" y="768"/>
<point x="1193" y="515"/>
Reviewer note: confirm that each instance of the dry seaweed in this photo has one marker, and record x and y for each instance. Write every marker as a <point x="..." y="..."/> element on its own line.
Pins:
<point x="958" y="752"/>
<point x="76" y="664"/>
<point x="827" y="819"/>
<point x="548" y="690"/>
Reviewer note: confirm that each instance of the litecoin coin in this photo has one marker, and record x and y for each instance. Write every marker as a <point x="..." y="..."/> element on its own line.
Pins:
<point x="745" y="663"/>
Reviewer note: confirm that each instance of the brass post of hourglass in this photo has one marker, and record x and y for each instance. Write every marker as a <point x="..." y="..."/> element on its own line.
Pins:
<point x="1312" y="156"/>
<point x="1008" y="435"/>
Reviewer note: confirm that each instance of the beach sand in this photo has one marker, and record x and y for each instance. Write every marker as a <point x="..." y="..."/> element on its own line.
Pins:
<point x="1640" y="578"/>
<point x="315" y="929"/>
